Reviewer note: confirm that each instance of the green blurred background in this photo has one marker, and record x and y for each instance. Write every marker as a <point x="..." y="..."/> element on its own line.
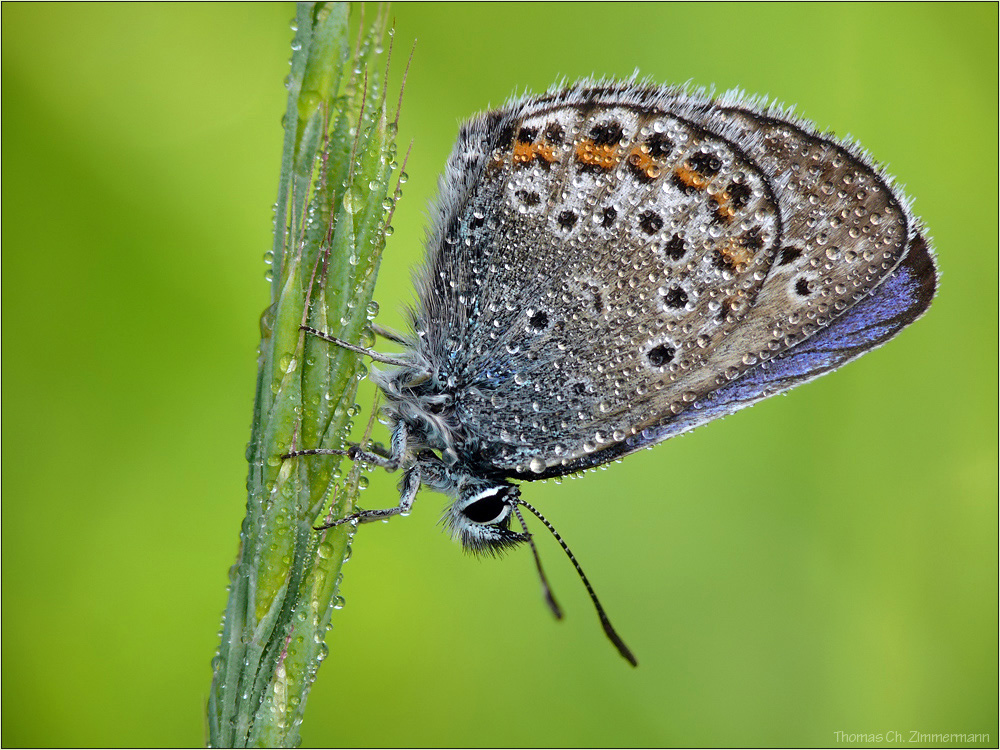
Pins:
<point x="825" y="562"/>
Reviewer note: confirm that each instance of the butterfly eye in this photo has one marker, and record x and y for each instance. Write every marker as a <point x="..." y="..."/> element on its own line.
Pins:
<point x="489" y="508"/>
<point x="480" y="517"/>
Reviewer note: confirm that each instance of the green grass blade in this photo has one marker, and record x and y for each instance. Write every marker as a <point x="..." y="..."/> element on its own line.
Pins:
<point x="330" y="223"/>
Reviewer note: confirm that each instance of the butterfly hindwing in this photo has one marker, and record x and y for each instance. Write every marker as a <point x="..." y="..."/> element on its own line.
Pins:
<point x="622" y="263"/>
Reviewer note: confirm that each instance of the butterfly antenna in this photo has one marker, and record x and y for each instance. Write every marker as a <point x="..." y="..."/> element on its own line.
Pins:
<point x="546" y="589"/>
<point x="624" y="650"/>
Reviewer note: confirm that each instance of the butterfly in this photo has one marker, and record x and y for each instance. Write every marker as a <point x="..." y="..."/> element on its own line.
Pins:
<point x="615" y="263"/>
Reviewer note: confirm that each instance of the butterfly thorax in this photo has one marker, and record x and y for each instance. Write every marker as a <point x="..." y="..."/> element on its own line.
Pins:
<point x="420" y="398"/>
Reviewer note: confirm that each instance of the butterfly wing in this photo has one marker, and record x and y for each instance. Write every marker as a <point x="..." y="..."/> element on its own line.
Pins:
<point x="618" y="264"/>
<point x="896" y="303"/>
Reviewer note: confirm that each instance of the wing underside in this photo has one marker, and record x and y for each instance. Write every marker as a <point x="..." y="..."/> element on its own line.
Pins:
<point x="620" y="264"/>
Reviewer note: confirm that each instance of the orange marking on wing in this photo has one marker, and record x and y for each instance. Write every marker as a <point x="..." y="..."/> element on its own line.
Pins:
<point x="640" y="159"/>
<point x="525" y="153"/>
<point x="722" y="208"/>
<point x="592" y="154"/>
<point x="736" y="255"/>
<point x="691" y="178"/>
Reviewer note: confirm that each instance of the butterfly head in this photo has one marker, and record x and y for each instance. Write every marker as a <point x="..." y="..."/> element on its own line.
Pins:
<point x="480" y="518"/>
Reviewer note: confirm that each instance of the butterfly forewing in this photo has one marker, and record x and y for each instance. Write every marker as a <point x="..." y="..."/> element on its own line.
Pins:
<point x="643" y="250"/>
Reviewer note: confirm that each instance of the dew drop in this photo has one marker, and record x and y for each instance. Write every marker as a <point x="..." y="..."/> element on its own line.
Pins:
<point x="352" y="200"/>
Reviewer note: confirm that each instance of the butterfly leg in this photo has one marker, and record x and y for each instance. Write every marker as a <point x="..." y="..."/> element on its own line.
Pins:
<point x="383" y="358"/>
<point x="386" y="458"/>
<point x="408" y="488"/>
